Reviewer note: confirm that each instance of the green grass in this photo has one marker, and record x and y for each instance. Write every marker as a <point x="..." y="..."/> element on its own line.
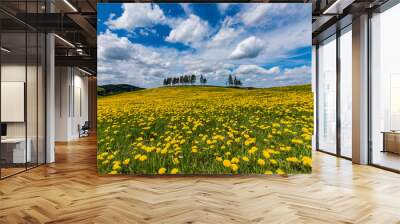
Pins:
<point x="144" y="122"/>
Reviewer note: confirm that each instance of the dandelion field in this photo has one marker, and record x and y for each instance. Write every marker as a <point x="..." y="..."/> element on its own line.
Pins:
<point x="206" y="130"/>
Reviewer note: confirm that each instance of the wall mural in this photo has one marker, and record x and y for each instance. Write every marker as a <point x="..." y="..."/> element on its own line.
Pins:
<point x="204" y="88"/>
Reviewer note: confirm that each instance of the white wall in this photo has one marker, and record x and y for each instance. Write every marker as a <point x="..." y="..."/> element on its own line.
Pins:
<point x="62" y="82"/>
<point x="80" y="110"/>
<point x="71" y="87"/>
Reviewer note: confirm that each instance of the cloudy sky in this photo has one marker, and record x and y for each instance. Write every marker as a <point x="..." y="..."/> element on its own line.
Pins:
<point x="263" y="44"/>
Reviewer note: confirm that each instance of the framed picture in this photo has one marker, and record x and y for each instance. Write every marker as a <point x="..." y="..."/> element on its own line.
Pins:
<point x="204" y="88"/>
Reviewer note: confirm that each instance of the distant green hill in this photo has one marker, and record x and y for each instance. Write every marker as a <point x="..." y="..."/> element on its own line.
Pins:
<point x="112" y="89"/>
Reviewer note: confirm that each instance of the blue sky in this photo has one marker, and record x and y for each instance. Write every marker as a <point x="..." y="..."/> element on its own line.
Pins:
<point x="263" y="44"/>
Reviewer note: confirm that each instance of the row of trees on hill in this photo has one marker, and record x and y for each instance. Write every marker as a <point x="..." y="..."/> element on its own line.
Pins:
<point x="183" y="80"/>
<point x="234" y="81"/>
<point x="191" y="79"/>
<point x="203" y="80"/>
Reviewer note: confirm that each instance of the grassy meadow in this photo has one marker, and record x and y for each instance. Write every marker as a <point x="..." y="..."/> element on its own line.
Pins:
<point x="206" y="130"/>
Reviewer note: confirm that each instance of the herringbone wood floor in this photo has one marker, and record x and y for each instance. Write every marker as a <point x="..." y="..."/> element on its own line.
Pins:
<point x="70" y="191"/>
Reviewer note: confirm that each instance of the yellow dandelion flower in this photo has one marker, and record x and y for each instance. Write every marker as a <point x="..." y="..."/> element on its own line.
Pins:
<point x="234" y="167"/>
<point x="261" y="162"/>
<point x="297" y="141"/>
<point x="226" y="163"/>
<point x="268" y="172"/>
<point x="116" y="166"/>
<point x="293" y="159"/>
<point x="307" y="161"/>
<point x="252" y="150"/>
<point x="266" y="154"/>
<point x="235" y="160"/>
<point x="245" y="158"/>
<point x="162" y="170"/>
<point x="175" y="161"/>
<point x="273" y="161"/>
<point x="250" y="141"/>
<point x="174" y="171"/>
<point x="142" y="158"/>
<point x="126" y="161"/>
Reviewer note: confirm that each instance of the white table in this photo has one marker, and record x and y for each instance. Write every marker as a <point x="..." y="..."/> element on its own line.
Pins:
<point x="19" y="153"/>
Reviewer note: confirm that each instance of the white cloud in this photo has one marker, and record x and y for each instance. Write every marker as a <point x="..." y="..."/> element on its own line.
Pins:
<point x="256" y="70"/>
<point x="230" y="47"/>
<point x="186" y="8"/>
<point x="293" y="36"/>
<point x="226" y="34"/>
<point x="261" y="14"/>
<point x="296" y="75"/>
<point x="279" y="33"/>
<point x="248" y="48"/>
<point x="191" y="30"/>
<point x="112" y="47"/>
<point x="193" y="63"/>
<point x="253" y="13"/>
<point x="222" y="7"/>
<point x="146" y="32"/>
<point x="137" y="15"/>
<point x="122" y="61"/>
<point x="303" y="70"/>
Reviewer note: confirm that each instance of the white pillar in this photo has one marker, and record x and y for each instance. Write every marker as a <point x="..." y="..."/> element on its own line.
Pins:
<point x="63" y="99"/>
<point x="360" y="90"/>
<point x="314" y="90"/>
<point x="50" y="99"/>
